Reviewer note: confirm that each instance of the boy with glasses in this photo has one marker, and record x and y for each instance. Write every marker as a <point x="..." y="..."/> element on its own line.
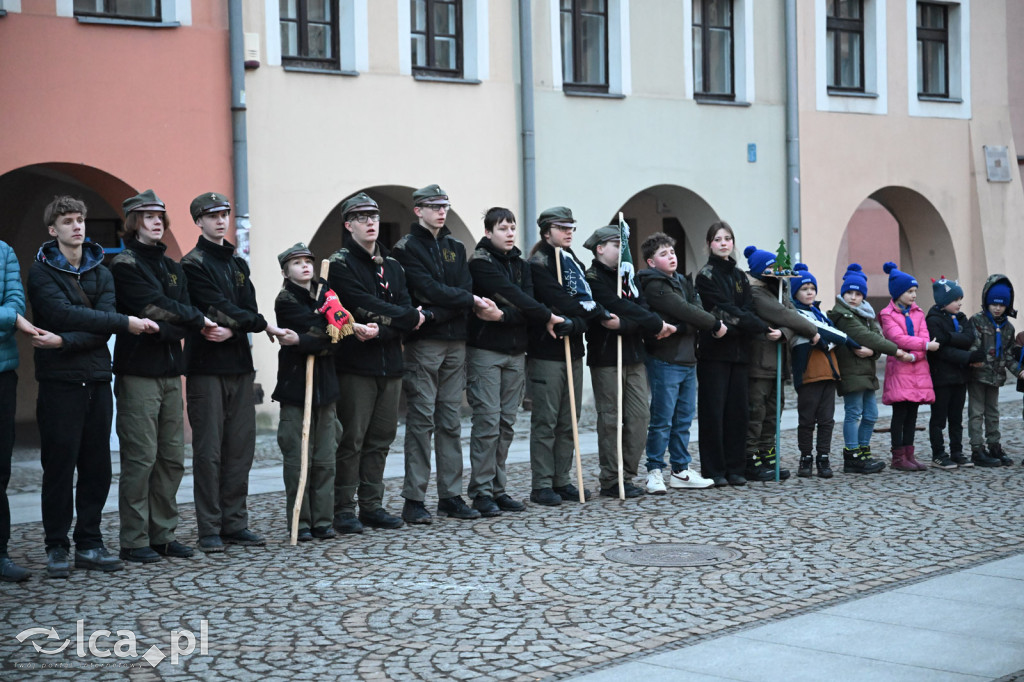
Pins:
<point x="435" y="357"/>
<point x="371" y="286"/>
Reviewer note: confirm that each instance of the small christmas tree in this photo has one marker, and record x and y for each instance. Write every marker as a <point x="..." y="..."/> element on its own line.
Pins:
<point x="783" y="265"/>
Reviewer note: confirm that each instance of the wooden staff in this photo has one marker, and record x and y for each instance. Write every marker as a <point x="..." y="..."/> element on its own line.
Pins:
<point x="572" y="391"/>
<point x="307" y="416"/>
<point x="618" y="381"/>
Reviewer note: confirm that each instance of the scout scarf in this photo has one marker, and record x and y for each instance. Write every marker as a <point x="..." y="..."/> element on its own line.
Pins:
<point x="906" y="316"/>
<point x="575" y="283"/>
<point x="999" y="332"/>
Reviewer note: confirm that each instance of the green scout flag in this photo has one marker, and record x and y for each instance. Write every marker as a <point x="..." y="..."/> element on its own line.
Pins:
<point x="626" y="269"/>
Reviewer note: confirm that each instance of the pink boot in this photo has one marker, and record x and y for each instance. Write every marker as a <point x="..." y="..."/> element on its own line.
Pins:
<point x="908" y="456"/>
<point x="899" y="459"/>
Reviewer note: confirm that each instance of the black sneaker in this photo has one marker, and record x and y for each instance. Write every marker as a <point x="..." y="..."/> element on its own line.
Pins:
<point x="244" y="537"/>
<point x="960" y="460"/>
<point x="735" y="480"/>
<point x="57" y="564"/>
<point x="486" y="506"/>
<point x="379" y="518"/>
<point x="304" y="535"/>
<point x="210" y="544"/>
<point x="571" y="493"/>
<point x="545" y="496"/>
<point x="324" y="533"/>
<point x="11" y="572"/>
<point x="173" y="549"/>
<point x="507" y="503"/>
<point x="140" y="555"/>
<point x="346" y="523"/>
<point x="628" y="489"/>
<point x="720" y="481"/>
<point x="414" y="511"/>
<point x="97" y="559"/>
<point x="943" y="461"/>
<point x="456" y="508"/>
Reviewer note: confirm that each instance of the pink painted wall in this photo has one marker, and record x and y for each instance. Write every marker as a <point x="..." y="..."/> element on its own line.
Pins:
<point x="871" y="238"/>
<point x="149" y="106"/>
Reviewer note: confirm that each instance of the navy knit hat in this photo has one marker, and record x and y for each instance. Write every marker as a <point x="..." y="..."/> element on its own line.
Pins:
<point x="946" y="291"/>
<point x="854" y="280"/>
<point x="758" y="261"/>
<point x="802" y="276"/>
<point x="899" y="281"/>
<point x="998" y="293"/>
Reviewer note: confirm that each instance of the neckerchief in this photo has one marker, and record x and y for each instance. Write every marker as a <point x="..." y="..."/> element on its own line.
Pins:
<point x="999" y="332"/>
<point x="906" y="316"/>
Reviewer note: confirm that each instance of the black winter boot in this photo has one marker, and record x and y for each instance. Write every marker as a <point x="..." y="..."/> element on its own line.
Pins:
<point x="858" y="461"/>
<point x="806" y="468"/>
<point x="980" y="457"/>
<point x="824" y="469"/>
<point x="756" y="469"/>
<point x="769" y="461"/>
<point x="995" y="451"/>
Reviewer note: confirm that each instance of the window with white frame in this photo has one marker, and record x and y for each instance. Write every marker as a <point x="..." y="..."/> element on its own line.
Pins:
<point x="444" y="39"/>
<point x="135" y="10"/>
<point x="939" y="59"/>
<point x="317" y="35"/>
<point x="718" y="50"/>
<point x="156" y="13"/>
<point x="590" y="46"/>
<point x="851" y="73"/>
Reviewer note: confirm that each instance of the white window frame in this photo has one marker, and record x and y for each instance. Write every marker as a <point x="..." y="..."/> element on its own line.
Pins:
<point x="476" y="49"/>
<point x="959" y="26"/>
<point x="620" y="80"/>
<point x="13" y="6"/>
<point x="742" y="45"/>
<point x="171" y="11"/>
<point x="353" y="47"/>
<point x="875" y="98"/>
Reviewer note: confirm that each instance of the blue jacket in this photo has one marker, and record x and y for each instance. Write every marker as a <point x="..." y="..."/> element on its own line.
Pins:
<point x="12" y="304"/>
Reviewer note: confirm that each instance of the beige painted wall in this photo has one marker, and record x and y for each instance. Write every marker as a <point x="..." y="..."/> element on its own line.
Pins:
<point x="846" y="158"/>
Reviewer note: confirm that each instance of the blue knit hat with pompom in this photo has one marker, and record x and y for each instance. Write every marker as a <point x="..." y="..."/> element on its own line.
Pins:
<point x="758" y="260"/>
<point x="899" y="281"/>
<point x="801" y="276"/>
<point x="854" y="280"/>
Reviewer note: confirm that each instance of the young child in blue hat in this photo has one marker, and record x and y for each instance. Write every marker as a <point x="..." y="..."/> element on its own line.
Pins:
<point x="995" y="339"/>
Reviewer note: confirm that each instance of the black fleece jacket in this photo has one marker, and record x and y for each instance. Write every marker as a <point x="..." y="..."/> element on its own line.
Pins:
<point x="950" y="364"/>
<point x="296" y="310"/>
<point x="725" y="293"/>
<point x="220" y="287"/>
<point x="549" y="291"/>
<point x="77" y="305"/>
<point x="506" y="279"/>
<point x="439" y="281"/>
<point x="149" y="284"/>
<point x="635" y="320"/>
<point x="372" y="289"/>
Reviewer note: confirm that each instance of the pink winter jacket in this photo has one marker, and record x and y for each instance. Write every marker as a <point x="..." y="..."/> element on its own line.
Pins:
<point x="906" y="381"/>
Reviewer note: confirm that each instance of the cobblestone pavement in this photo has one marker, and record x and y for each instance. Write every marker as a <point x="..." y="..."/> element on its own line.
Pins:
<point x="519" y="597"/>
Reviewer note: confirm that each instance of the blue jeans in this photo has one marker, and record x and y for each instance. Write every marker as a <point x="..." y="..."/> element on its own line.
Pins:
<point x="673" y="404"/>
<point x="861" y="415"/>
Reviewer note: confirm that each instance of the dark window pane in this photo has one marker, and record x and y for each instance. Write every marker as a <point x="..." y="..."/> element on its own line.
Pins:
<point x="318" y="10"/>
<point x="592" y="35"/>
<point x="289" y="39"/>
<point x="320" y="41"/>
<point x="289" y="9"/>
<point x="592" y="6"/>
<point x="568" y="64"/>
<point x="719" y="61"/>
<point x="849" y="9"/>
<point x="444" y="53"/>
<point x="698" y="60"/>
<point x="419" y="15"/>
<point x="444" y="19"/>
<point x="830" y="58"/>
<point x="719" y="13"/>
<point x="698" y="6"/>
<point x="849" y="60"/>
<point x="419" y="50"/>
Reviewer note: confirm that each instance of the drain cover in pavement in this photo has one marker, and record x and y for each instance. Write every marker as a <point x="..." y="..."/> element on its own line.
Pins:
<point x="672" y="554"/>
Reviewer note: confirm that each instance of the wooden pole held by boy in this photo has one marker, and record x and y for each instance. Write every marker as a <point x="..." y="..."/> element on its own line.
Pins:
<point x="572" y="392"/>
<point x="618" y="375"/>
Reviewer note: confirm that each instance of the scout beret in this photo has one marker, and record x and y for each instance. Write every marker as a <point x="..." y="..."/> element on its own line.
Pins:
<point x="558" y="214"/>
<point x="359" y="202"/>
<point x="431" y="194"/>
<point x="209" y="202"/>
<point x="602" y="235"/>
<point x="146" y="201"/>
<point x="297" y="250"/>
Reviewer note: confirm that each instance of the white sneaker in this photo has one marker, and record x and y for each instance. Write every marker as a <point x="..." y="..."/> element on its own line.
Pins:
<point x="689" y="479"/>
<point x="655" y="483"/>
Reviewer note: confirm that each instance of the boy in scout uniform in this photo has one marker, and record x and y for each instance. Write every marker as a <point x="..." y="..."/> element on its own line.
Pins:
<point x="296" y="309"/>
<point x="219" y="383"/>
<point x="150" y="424"/>
<point x="551" y="442"/>
<point x="635" y="320"/>
<point x="371" y="286"/>
<point x="435" y="357"/>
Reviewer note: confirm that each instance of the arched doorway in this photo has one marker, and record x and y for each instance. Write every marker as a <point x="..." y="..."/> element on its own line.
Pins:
<point x="396" y="216"/>
<point x="901" y="225"/>
<point x="677" y="211"/>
